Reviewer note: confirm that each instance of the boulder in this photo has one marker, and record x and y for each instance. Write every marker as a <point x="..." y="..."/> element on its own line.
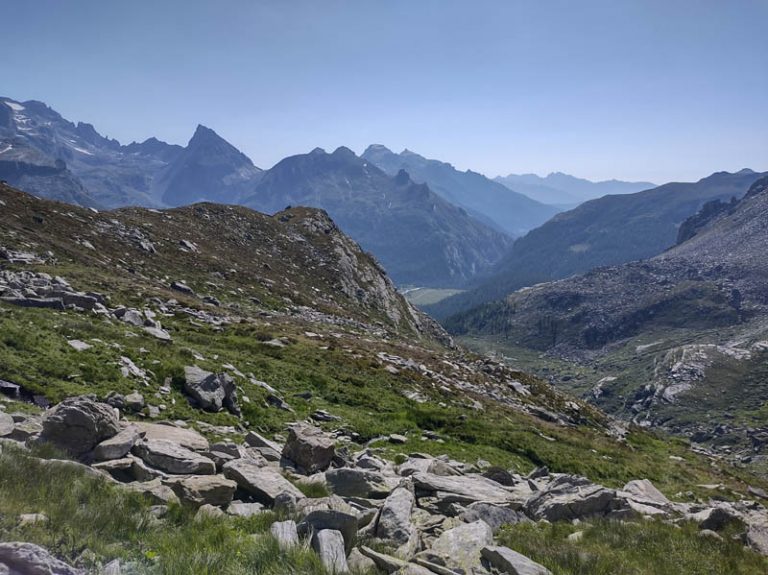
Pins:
<point x="309" y="447"/>
<point x="198" y="490"/>
<point x="241" y="509"/>
<point x="118" y="445"/>
<point x="493" y="514"/>
<point x="383" y="562"/>
<point x="134" y="401"/>
<point x="329" y="545"/>
<point x="394" y="523"/>
<point x="466" y="488"/>
<point x="644" y="491"/>
<point x="211" y="391"/>
<point x="264" y="483"/>
<point x="78" y="424"/>
<point x="569" y="497"/>
<point x="359" y="563"/>
<point x="351" y="482"/>
<point x="154" y="490"/>
<point x="508" y="561"/>
<point x="173" y="458"/>
<point x="185" y="437"/>
<point x="29" y="559"/>
<point x="462" y="545"/>
<point x="286" y="534"/>
<point x="6" y="424"/>
<point x="344" y="523"/>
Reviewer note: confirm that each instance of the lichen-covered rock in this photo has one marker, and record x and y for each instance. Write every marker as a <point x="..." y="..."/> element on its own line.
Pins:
<point x="309" y="447"/>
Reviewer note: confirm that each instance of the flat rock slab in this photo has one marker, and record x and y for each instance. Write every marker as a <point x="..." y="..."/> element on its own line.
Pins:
<point x="118" y="446"/>
<point x="508" y="561"/>
<point x="173" y="458"/>
<point x="198" y="490"/>
<point x="185" y="437"/>
<point x="264" y="483"/>
<point x="463" y="544"/>
<point x="468" y="488"/>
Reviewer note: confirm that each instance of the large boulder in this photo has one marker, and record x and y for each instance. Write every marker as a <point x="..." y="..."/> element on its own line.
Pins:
<point x="462" y="545"/>
<point x="329" y="545"/>
<point x="351" y="482"/>
<point x="344" y="523"/>
<point x="464" y="489"/>
<point x="78" y="424"/>
<point x="188" y="438"/>
<point x="286" y="533"/>
<point x="569" y="497"/>
<point x="173" y="458"/>
<point x="263" y="483"/>
<point x="508" y="561"/>
<point x="211" y="391"/>
<point x="118" y="445"/>
<point x="494" y="514"/>
<point x="198" y="490"/>
<point x="29" y="559"/>
<point x="394" y="524"/>
<point x="309" y="448"/>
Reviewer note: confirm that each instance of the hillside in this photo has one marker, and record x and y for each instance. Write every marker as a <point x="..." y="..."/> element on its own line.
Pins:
<point x="506" y="209"/>
<point x="560" y="189"/>
<point x="419" y="238"/>
<point x="327" y="380"/>
<point x="677" y="341"/>
<point x="608" y="231"/>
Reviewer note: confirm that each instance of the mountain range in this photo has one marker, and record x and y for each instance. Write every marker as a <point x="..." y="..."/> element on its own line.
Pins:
<point x="567" y="191"/>
<point x="607" y="231"/>
<point x="506" y="209"/>
<point x="420" y="237"/>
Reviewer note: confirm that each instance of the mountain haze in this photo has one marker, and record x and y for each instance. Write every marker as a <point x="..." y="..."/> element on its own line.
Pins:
<point x="489" y="201"/>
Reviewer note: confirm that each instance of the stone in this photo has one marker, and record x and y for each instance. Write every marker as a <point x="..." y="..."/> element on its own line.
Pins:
<point x="309" y="447"/>
<point x="466" y="488"/>
<point x="329" y="545"/>
<point x="118" y="445"/>
<point x="359" y="563"/>
<point x="78" y="424"/>
<point x="134" y="401"/>
<point x="31" y="559"/>
<point x="286" y="533"/>
<point x="182" y="287"/>
<point x="211" y="391"/>
<point x="508" y="561"/>
<point x="397" y="439"/>
<point x="263" y="483"/>
<point x="154" y="490"/>
<point x="198" y="490"/>
<point x="78" y="345"/>
<point x="394" y="523"/>
<point x="351" y="482"/>
<point x="241" y="509"/>
<point x="255" y="440"/>
<point x="464" y="543"/>
<point x="384" y="562"/>
<point x="185" y="437"/>
<point x="7" y="424"/>
<point x="344" y="523"/>
<point x="716" y="518"/>
<point x="644" y="491"/>
<point x="158" y="333"/>
<point x="494" y="514"/>
<point x="133" y="317"/>
<point x="173" y="458"/>
<point x="208" y="512"/>
<point x="569" y="497"/>
<point x="499" y="475"/>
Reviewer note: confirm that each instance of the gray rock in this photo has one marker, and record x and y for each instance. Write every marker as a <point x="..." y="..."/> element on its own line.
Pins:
<point x="199" y="490"/>
<point x="173" y="458"/>
<point x="493" y="514"/>
<point x="78" y="424"/>
<point x="212" y="391"/>
<point x="78" y="345"/>
<point x="360" y="563"/>
<point x="508" y="561"/>
<point x="386" y="563"/>
<point x="30" y="559"/>
<point x="394" y="522"/>
<point x="329" y="545"/>
<point x="133" y="317"/>
<point x="466" y="488"/>
<point x="350" y="482"/>
<point x="345" y="523"/>
<point x="569" y="497"/>
<point x="309" y="448"/>
<point x="242" y="509"/>
<point x="6" y="424"/>
<point x="185" y="437"/>
<point x="117" y="446"/>
<point x="207" y="512"/>
<point x="264" y="483"/>
<point x="154" y="490"/>
<point x="463" y="544"/>
<point x="397" y="439"/>
<point x="286" y="534"/>
<point x="134" y="401"/>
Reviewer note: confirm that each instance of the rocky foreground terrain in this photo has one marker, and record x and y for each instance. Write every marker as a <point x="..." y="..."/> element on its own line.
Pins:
<point x="211" y="390"/>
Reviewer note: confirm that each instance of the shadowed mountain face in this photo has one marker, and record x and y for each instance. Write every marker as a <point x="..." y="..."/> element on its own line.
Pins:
<point x="607" y="231"/>
<point x="487" y="200"/>
<point x="45" y="154"/>
<point x="565" y="190"/>
<point x="209" y="169"/>
<point x="419" y="237"/>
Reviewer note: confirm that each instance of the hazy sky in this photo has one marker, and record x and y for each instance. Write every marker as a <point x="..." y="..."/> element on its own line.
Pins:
<point x="634" y="89"/>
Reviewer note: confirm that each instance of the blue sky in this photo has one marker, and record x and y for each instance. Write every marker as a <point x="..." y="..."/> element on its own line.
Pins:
<point x="633" y="89"/>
